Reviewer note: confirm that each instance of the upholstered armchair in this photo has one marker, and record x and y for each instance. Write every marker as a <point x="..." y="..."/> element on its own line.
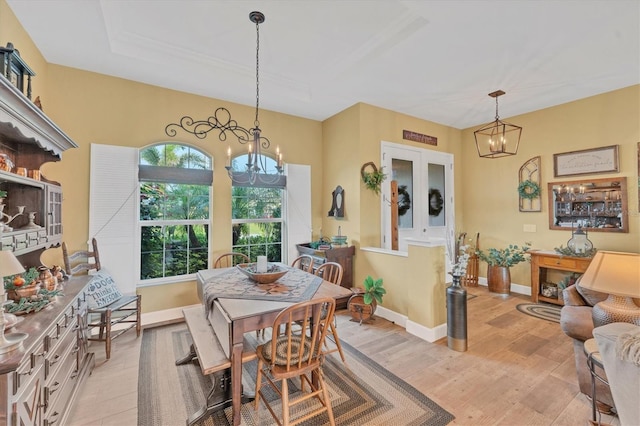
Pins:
<point x="576" y="322"/>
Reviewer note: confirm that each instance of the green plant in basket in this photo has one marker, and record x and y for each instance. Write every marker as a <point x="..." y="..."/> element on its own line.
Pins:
<point x="19" y="280"/>
<point x="373" y="290"/>
<point x="509" y="256"/>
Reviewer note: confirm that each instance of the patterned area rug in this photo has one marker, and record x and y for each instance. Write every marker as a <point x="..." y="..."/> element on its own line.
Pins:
<point x="543" y="311"/>
<point x="363" y="394"/>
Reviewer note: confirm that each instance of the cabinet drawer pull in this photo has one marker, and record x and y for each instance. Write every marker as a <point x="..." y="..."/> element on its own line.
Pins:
<point x="53" y="419"/>
<point x="33" y="359"/>
<point x="55" y="360"/>
<point x="54" y="387"/>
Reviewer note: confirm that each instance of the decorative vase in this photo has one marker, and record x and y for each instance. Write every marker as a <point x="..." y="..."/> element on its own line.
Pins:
<point x="47" y="279"/>
<point x="457" y="316"/>
<point x="499" y="279"/>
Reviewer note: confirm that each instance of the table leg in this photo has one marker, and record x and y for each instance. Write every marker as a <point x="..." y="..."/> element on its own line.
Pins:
<point x="236" y="381"/>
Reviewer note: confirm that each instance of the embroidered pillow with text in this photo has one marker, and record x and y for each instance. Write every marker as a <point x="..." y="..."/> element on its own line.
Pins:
<point x="102" y="290"/>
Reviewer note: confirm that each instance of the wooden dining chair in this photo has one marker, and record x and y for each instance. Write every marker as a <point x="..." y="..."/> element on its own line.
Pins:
<point x="304" y="262"/>
<point x="227" y="260"/>
<point x="107" y="306"/>
<point x="332" y="272"/>
<point x="290" y="354"/>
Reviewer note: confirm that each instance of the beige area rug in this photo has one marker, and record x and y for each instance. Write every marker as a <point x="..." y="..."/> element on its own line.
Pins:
<point x="543" y="311"/>
<point x="363" y="394"/>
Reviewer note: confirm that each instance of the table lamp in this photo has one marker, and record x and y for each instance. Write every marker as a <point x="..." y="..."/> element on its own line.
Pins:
<point x="9" y="265"/>
<point x="617" y="274"/>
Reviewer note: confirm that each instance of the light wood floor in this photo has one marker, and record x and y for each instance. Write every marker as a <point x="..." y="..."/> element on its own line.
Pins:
<point x="518" y="370"/>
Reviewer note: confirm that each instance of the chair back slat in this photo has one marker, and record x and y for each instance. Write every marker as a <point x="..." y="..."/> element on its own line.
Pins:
<point x="330" y="271"/>
<point x="227" y="260"/>
<point x="81" y="261"/>
<point x="302" y="349"/>
<point x="304" y="262"/>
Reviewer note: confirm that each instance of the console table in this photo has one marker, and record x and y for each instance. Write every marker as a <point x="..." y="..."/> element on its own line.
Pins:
<point x="542" y="262"/>
<point x="40" y="380"/>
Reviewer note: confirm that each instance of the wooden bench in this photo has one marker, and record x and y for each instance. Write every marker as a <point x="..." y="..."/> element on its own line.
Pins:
<point x="213" y="360"/>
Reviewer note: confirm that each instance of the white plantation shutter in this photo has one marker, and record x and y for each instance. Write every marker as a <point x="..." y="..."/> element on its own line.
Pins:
<point x="297" y="207"/>
<point x="113" y="209"/>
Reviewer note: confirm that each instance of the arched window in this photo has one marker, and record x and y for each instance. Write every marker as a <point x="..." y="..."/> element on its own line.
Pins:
<point x="175" y="198"/>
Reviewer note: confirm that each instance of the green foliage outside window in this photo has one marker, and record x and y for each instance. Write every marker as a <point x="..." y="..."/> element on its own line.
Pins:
<point x="257" y="222"/>
<point x="174" y="234"/>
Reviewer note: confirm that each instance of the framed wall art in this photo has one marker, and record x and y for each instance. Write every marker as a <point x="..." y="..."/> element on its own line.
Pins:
<point x="587" y="161"/>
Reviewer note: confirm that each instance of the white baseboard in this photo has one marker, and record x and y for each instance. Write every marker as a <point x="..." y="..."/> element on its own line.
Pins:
<point x="392" y="316"/>
<point x="516" y="288"/>
<point x="426" y="333"/>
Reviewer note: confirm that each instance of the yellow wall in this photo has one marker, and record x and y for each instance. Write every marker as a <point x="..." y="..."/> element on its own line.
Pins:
<point x="12" y="32"/>
<point x="415" y="288"/>
<point x="489" y="190"/>
<point x="93" y="108"/>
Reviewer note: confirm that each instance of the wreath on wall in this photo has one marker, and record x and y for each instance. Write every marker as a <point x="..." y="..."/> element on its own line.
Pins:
<point x="436" y="202"/>
<point x="528" y="189"/>
<point x="372" y="179"/>
<point x="404" y="200"/>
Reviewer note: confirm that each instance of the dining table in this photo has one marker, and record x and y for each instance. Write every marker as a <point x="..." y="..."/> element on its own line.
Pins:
<point x="232" y="317"/>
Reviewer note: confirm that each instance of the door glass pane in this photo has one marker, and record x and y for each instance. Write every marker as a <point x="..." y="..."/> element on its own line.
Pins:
<point x="402" y="172"/>
<point x="436" y="194"/>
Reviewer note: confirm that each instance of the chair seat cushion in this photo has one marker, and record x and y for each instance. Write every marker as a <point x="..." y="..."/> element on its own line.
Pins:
<point x="281" y="350"/>
<point x="102" y="290"/>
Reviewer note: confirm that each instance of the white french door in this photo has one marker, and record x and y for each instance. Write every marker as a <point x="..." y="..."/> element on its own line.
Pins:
<point x="425" y="193"/>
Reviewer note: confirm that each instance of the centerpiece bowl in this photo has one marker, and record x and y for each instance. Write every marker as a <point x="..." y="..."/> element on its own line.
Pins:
<point x="274" y="272"/>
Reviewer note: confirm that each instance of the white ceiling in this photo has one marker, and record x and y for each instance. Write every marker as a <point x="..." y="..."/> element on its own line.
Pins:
<point x="435" y="60"/>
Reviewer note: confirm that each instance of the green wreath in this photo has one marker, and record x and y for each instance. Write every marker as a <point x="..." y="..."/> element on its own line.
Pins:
<point x="528" y="189"/>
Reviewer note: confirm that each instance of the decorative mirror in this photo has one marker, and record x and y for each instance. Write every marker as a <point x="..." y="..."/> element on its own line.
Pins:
<point x="599" y="205"/>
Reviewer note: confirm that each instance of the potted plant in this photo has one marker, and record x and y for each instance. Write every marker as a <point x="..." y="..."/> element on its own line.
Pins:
<point x="363" y="303"/>
<point x="372" y="179"/>
<point x="499" y="261"/>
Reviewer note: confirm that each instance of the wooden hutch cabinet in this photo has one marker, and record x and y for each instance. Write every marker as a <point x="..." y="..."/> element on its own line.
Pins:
<point x="39" y="378"/>
<point x="28" y="139"/>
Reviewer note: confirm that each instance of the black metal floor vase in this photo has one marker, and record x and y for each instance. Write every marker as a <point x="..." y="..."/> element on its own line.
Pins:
<point x="457" y="316"/>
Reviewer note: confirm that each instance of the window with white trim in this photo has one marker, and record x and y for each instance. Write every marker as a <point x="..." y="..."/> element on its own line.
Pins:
<point x="257" y="216"/>
<point x="174" y="211"/>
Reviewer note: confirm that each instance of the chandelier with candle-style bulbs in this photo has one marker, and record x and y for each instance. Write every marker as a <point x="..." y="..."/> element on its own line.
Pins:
<point x="498" y="138"/>
<point x="256" y="171"/>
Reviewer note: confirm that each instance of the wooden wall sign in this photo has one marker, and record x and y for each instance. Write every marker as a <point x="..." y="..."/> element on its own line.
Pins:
<point x="419" y="137"/>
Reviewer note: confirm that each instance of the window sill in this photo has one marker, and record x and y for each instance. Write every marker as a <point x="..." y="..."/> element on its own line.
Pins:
<point x="163" y="281"/>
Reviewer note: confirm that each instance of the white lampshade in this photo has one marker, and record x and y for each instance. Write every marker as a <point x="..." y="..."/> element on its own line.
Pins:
<point x="613" y="273"/>
<point x="617" y="274"/>
<point x="9" y="264"/>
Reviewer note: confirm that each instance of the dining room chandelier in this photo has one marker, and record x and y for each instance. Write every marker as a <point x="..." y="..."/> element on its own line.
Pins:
<point x="257" y="170"/>
<point x="498" y="138"/>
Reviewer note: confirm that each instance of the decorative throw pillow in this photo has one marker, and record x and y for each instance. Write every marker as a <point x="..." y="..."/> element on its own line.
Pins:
<point x="102" y="290"/>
